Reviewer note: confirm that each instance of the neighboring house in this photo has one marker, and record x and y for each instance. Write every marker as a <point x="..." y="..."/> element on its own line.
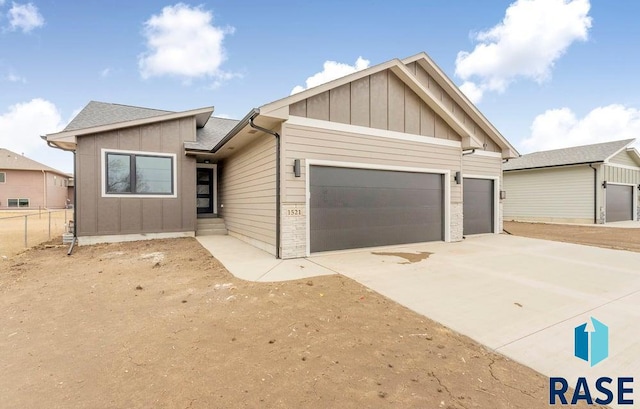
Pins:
<point x="27" y="184"/>
<point x="392" y="154"/>
<point x="585" y="184"/>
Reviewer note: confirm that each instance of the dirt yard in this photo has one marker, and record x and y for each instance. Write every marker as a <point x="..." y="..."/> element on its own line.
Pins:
<point x="608" y="237"/>
<point x="12" y="228"/>
<point x="161" y="324"/>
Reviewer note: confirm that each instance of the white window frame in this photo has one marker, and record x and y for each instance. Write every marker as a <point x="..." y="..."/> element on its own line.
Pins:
<point x="446" y="173"/>
<point x="18" y="202"/>
<point x="103" y="174"/>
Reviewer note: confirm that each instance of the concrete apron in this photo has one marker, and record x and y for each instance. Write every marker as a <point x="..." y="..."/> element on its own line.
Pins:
<point x="521" y="297"/>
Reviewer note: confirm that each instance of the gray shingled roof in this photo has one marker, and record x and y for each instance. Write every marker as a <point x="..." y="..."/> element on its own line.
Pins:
<point x="567" y="156"/>
<point x="14" y="161"/>
<point x="212" y="133"/>
<point x="102" y="113"/>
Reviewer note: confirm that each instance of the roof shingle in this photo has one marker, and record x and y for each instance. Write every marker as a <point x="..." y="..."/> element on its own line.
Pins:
<point x="101" y="113"/>
<point x="568" y="156"/>
<point x="13" y="161"/>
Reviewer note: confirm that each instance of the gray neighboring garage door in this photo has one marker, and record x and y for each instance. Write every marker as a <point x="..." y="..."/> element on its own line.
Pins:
<point x="478" y="211"/>
<point x="353" y="208"/>
<point x="619" y="203"/>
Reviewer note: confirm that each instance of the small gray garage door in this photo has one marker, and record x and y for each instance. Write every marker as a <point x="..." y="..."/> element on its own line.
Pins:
<point x="478" y="205"/>
<point x="619" y="203"/>
<point x="353" y="208"/>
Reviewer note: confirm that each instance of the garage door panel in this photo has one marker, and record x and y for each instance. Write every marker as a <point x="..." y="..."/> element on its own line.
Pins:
<point x="352" y="208"/>
<point x="619" y="203"/>
<point x="478" y="206"/>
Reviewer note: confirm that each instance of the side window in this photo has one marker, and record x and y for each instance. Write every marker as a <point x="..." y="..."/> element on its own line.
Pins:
<point x="139" y="174"/>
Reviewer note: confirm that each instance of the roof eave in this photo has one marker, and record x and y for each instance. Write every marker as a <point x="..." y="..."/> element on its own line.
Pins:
<point x="202" y="116"/>
<point x="236" y="129"/>
<point x="556" y="166"/>
<point x="625" y="147"/>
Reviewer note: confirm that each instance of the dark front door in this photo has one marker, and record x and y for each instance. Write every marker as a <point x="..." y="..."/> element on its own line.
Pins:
<point x="204" y="190"/>
<point x="351" y="208"/>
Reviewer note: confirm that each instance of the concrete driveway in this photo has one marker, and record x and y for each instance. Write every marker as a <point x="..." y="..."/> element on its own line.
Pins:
<point x="519" y="296"/>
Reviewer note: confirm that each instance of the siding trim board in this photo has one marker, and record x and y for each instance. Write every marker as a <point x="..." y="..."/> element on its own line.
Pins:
<point x="340" y="127"/>
<point x="356" y="165"/>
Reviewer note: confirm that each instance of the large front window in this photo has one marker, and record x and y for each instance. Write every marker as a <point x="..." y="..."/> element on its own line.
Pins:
<point x="139" y="174"/>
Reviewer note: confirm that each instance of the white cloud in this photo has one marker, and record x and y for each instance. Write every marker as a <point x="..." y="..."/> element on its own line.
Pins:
<point x="331" y="70"/>
<point x="560" y="128"/>
<point x="183" y="42"/>
<point x="533" y="35"/>
<point x="24" y="17"/>
<point x="15" y="78"/>
<point x="20" y="129"/>
<point x="22" y="125"/>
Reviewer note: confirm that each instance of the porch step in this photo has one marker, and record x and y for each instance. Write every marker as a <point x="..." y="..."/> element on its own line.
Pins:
<point x="211" y="226"/>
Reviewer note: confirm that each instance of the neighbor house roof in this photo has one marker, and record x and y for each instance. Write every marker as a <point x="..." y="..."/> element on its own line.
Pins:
<point x="596" y="153"/>
<point x="13" y="161"/>
<point x="101" y="113"/>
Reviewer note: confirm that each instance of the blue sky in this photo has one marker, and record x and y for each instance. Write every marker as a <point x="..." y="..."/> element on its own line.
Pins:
<point x="547" y="73"/>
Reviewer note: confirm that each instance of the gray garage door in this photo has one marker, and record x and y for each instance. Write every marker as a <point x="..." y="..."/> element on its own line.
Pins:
<point x="619" y="203"/>
<point x="478" y="206"/>
<point x="353" y="208"/>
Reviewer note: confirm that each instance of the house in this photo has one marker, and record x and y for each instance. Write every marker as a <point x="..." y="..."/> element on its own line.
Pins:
<point x="27" y="184"/>
<point x="585" y="184"/>
<point x="392" y="154"/>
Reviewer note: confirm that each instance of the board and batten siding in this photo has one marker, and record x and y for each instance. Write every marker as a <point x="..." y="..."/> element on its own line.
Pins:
<point x="429" y="82"/>
<point x="380" y="101"/>
<point x="247" y="195"/>
<point x="624" y="158"/>
<point x="105" y="216"/>
<point x="562" y="194"/>
<point x="304" y="143"/>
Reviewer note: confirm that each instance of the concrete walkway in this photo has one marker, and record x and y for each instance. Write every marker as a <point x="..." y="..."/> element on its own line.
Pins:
<point x="521" y="297"/>
<point x="252" y="264"/>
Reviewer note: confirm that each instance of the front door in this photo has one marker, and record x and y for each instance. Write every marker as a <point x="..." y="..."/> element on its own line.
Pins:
<point x="204" y="190"/>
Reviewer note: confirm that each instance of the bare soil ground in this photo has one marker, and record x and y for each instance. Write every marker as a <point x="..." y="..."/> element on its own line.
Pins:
<point x="162" y="324"/>
<point x="608" y="237"/>
<point x="12" y="228"/>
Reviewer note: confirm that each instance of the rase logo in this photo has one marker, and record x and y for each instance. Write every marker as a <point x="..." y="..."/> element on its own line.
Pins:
<point x="591" y="344"/>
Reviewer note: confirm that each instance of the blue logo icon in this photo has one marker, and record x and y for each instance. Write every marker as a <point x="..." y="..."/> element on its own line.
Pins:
<point x="591" y="342"/>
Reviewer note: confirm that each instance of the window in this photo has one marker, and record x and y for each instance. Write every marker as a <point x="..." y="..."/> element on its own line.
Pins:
<point x="18" y="203"/>
<point x="139" y="174"/>
<point x="3" y="177"/>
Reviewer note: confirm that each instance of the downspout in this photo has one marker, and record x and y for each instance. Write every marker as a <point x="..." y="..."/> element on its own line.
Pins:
<point x="595" y="194"/>
<point x="277" y="136"/>
<point x="75" y="196"/>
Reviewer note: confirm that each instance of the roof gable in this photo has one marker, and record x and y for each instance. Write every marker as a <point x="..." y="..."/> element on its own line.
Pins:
<point x="12" y="161"/>
<point x="596" y="153"/>
<point x="470" y="137"/>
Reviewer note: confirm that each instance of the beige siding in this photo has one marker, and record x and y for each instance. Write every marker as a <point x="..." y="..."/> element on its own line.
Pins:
<point x="22" y="184"/>
<point x="482" y="165"/>
<point x="56" y="191"/>
<point x="624" y="158"/>
<point x="563" y="194"/>
<point x="304" y="143"/>
<point x="379" y="101"/>
<point x="615" y="174"/>
<point x="247" y="193"/>
<point x="100" y="216"/>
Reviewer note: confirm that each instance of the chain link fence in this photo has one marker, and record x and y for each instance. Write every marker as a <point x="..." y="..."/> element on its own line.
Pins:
<point x="23" y="229"/>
